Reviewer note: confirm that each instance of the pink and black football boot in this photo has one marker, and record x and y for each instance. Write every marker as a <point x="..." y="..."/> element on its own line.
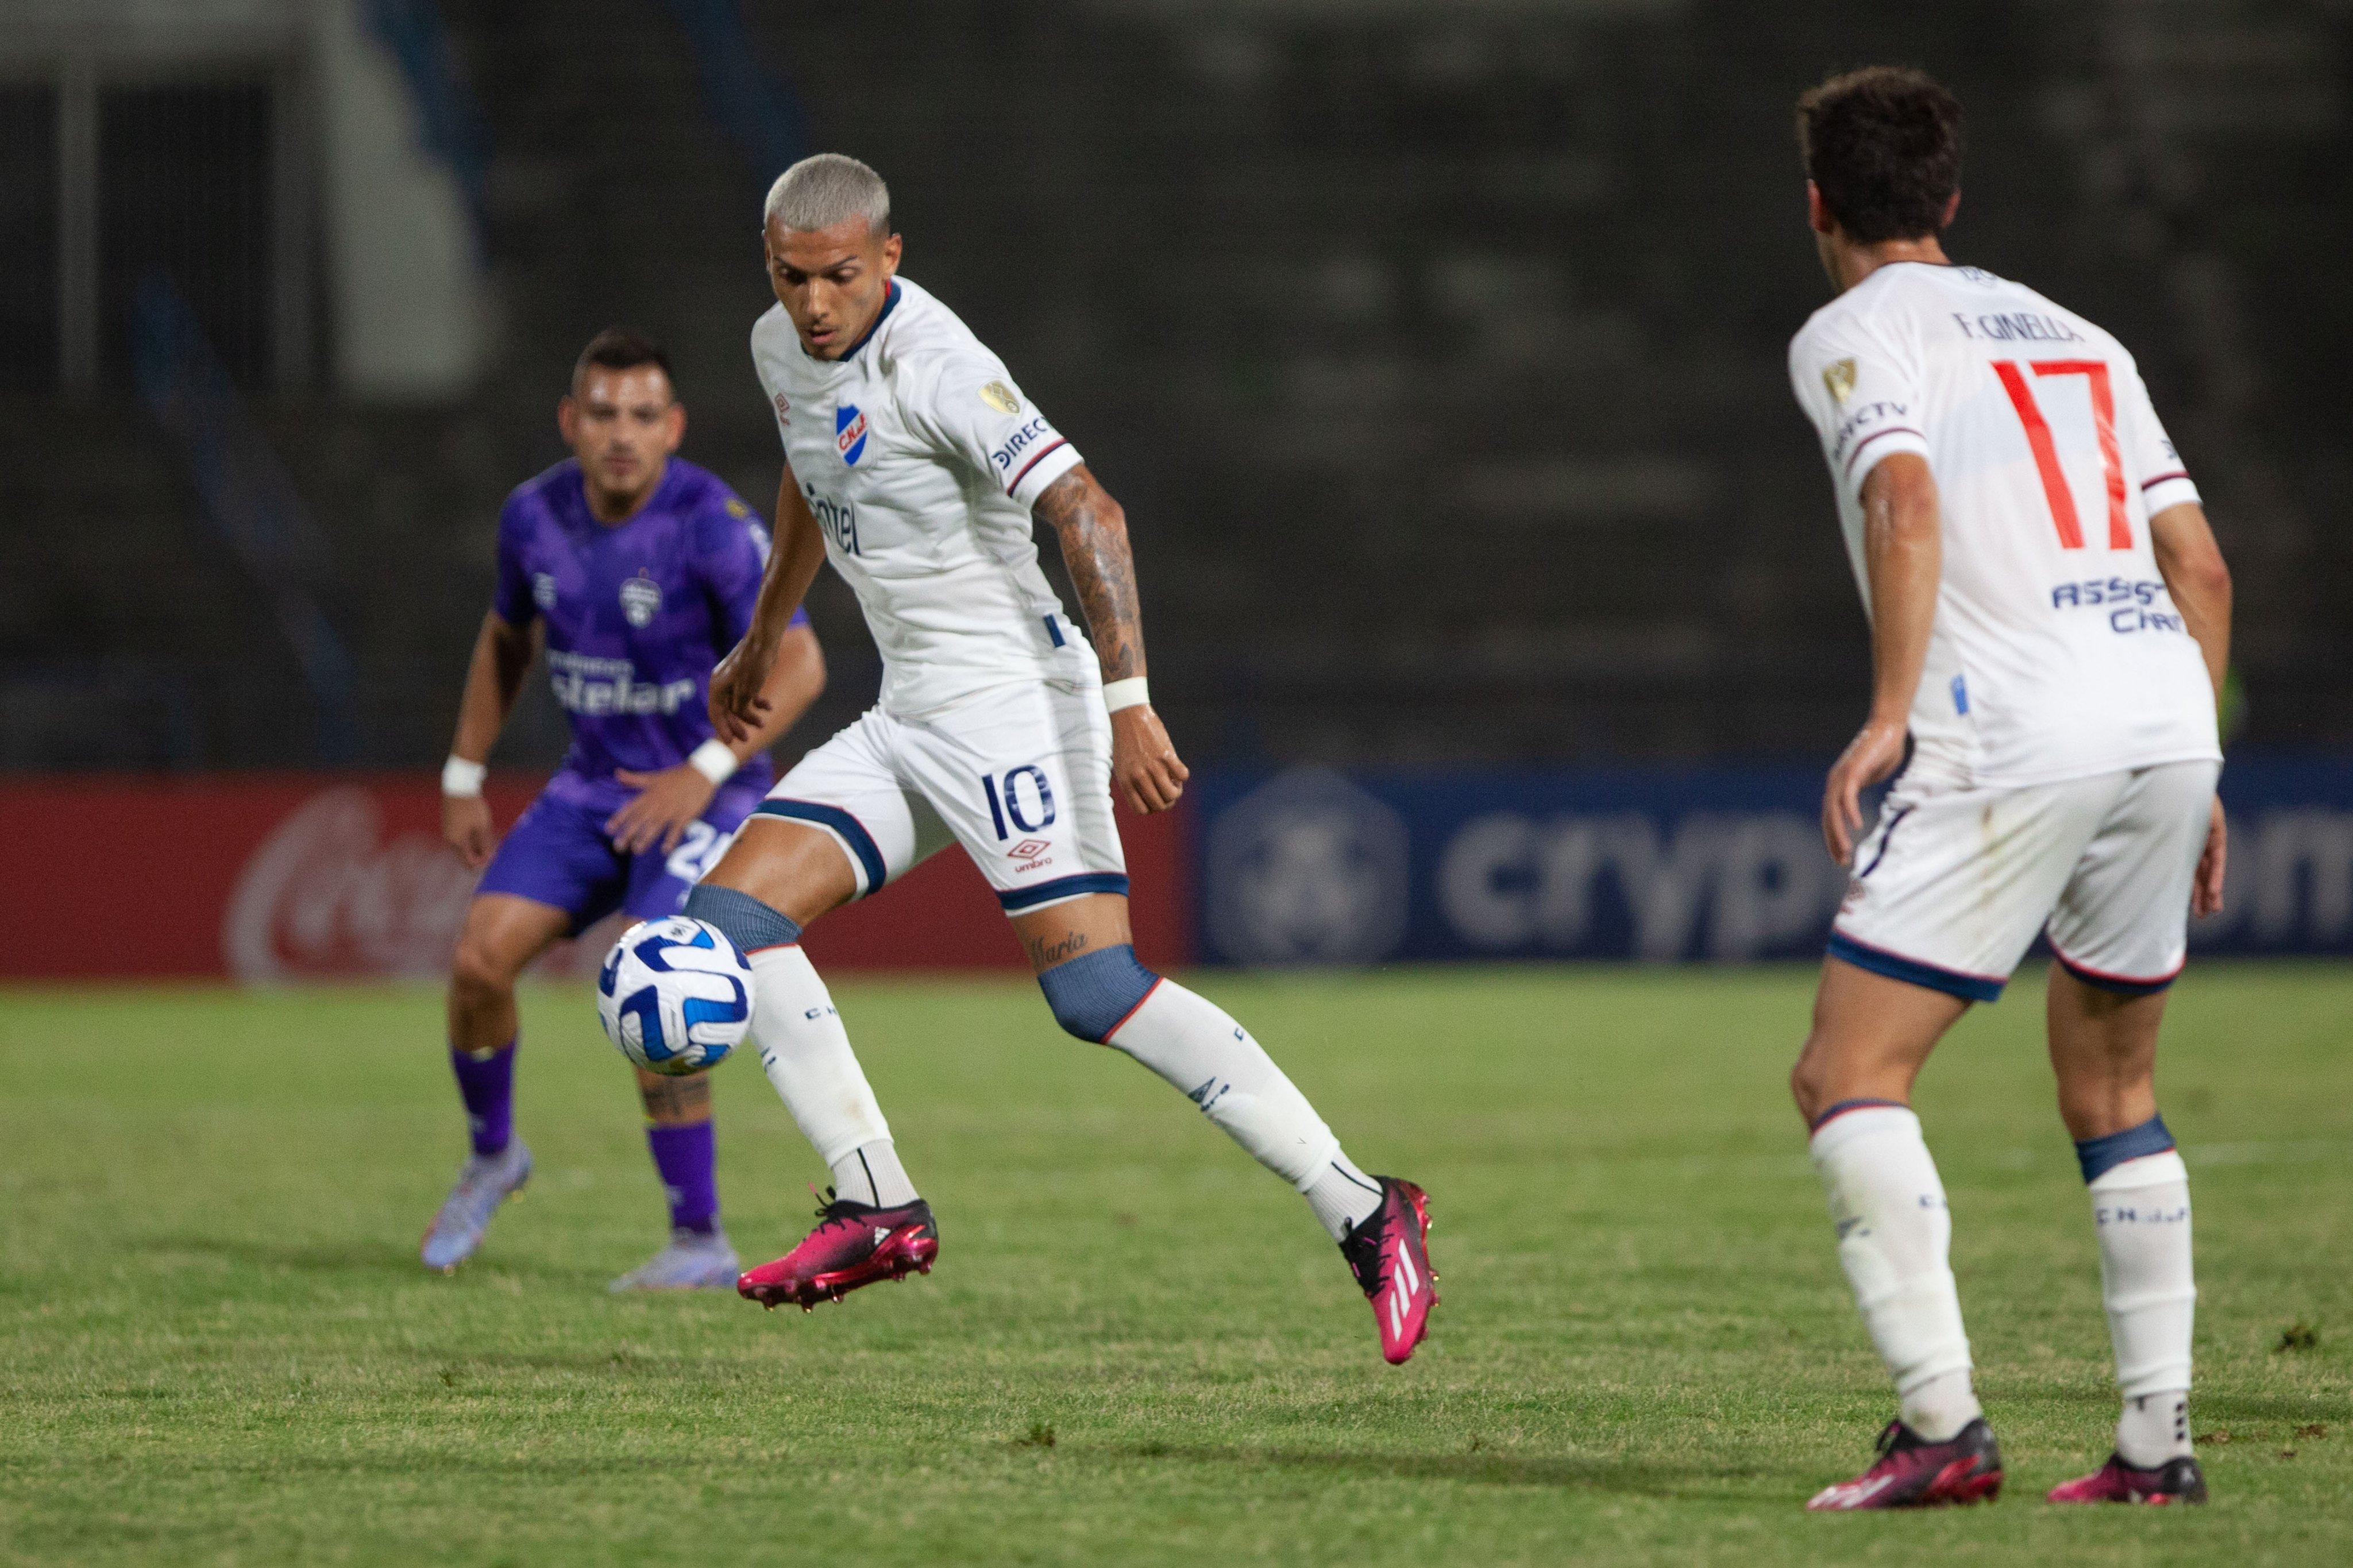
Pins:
<point x="1913" y="1472"/>
<point x="853" y="1244"/>
<point x="2179" y="1480"/>
<point x="1388" y="1250"/>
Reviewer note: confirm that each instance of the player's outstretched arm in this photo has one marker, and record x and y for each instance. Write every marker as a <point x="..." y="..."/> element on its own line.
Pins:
<point x="741" y="703"/>
<point x="502" y="656"/>
<point x="2191" y="564"/>
<point x="1904" y="558"/>
<point x="1093" y="531"/>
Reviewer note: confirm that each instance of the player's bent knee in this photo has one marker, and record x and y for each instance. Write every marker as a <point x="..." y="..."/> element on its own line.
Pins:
<point x="743" y="919"/>
<point x="1092" y="996"/>
<point x="799" y="871"/>
<point x="480" y="971"/>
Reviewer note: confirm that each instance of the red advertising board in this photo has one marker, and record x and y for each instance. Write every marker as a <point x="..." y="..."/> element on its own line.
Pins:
<point x="273" y="877"/>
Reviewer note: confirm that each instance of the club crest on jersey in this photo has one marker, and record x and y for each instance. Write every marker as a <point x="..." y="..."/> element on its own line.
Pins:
<point x="1840" y="379"/>
<point x="849" y="433"/>
<point x="1001" y="397"/>
<point x="640" y="599"/>
<point x="783" y="409"/>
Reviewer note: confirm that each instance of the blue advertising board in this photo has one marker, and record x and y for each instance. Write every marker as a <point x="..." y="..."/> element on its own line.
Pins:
<point x="1663" y="864"/>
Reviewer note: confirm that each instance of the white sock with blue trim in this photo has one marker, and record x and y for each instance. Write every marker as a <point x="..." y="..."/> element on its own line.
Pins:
<point x="2141" y="1210"/>
<point x="1894" y="1240"/>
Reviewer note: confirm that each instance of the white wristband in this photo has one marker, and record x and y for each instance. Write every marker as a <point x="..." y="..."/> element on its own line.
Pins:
<point x="462" y="778"/>
<point x="714" y="761"/>
<point x="1129" y="693"/>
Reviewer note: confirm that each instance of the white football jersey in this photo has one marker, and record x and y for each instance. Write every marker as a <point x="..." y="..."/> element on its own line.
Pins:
<point x="2057" y="651"/>
<point x="921" y="459"/>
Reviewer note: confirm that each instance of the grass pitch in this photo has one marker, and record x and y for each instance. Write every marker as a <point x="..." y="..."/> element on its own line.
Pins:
<point x="216" y="1344"/>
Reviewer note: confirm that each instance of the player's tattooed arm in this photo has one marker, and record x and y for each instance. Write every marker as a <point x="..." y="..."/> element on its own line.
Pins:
<point x="1092" y="530"/>
<point x="1093" y="534"/>
<point x="741" y="705"/>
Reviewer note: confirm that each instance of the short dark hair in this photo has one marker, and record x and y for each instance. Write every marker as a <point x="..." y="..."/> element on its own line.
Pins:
<point x="1884" y="146"/>
<point x="617" y="348"/>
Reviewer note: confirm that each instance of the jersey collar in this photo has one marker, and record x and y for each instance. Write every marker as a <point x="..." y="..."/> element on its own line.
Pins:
<point x="889" y="303"/>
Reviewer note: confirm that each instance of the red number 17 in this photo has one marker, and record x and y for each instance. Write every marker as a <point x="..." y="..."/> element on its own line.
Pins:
<point x="2046" y="455"/>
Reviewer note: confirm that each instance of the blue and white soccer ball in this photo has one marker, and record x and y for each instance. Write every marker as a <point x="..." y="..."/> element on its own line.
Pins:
<point x="675" y="995"/>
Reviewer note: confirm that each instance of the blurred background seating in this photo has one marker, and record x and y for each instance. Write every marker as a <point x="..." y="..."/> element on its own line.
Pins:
<point x="1436" y="351"/>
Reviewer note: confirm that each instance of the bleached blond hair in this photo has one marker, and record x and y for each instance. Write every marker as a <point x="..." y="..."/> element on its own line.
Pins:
<point x="826" y="189"/>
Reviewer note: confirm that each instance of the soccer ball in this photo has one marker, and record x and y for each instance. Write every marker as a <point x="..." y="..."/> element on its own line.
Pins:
<point x="675" y="994"/>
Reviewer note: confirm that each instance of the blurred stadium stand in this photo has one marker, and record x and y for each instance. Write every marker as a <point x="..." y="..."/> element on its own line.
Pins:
<point x="1437" y="352"/>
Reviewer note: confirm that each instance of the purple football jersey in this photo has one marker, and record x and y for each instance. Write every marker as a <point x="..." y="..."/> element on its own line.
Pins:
<point x="638" y="612"/>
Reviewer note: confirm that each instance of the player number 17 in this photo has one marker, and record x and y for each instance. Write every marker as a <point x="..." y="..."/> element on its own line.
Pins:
<point x="2046" y="455"/>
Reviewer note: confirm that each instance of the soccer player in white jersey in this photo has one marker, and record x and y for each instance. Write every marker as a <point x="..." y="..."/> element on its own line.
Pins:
<point x="2049" y="624"/>
<point x="916" y="465"/>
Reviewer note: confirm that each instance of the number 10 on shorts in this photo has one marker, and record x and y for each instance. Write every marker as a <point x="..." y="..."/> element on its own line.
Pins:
<point x="1008" y="801"/>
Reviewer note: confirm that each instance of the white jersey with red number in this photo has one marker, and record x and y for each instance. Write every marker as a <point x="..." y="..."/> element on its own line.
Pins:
<point x="2056" y="652"/>
<point x="921" y="459"/>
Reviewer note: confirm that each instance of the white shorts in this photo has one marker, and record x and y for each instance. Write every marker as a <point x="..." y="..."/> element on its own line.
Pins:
<point x="1018" y="774"/>
<point x="1951" y="885"/>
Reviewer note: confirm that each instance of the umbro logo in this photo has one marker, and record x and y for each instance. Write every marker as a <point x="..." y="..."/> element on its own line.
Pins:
<point x="1028" y="848"/>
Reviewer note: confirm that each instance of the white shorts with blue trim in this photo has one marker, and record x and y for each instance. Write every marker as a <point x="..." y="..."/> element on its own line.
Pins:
<point x="1019" y="775"/>
<point x="1952" y="885"/>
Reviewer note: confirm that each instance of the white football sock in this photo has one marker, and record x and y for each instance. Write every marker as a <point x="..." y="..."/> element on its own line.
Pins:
<point x="2154" y="1427"/>
<point x="871" y="1174"/>
<point x="1941" y="1408"/>
<point x="1894" y="1236"/>
<point x="807" y="1054"/>
<point x="1342" y="1196"/>
<point x="2141" y="1209"/>
<point x="1191" y="1041"/>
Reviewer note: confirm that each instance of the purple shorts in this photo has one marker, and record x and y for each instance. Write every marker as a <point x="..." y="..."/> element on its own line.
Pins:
<point x="558" y="854"/>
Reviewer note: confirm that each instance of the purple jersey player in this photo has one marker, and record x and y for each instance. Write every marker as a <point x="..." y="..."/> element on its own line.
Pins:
<point x="636" y="570"/>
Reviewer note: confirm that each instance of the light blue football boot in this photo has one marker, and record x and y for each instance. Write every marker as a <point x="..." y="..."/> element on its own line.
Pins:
<point x="486" y="1182"/>
<point x="695" y="1261"/>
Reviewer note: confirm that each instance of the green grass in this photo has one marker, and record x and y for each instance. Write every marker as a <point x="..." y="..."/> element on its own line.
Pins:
<point x="216" y="1345"/>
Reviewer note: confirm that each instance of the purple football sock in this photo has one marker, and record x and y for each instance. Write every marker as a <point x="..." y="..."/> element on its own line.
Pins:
<point x="687" y="1158"/>
<point x="487" y="1084"/>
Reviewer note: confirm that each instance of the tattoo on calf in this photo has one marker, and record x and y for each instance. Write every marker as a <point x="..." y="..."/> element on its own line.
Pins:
<point x="1044" y="954"/>
<point x="1094" y="535"/>
<point x="675" y="1098"/>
